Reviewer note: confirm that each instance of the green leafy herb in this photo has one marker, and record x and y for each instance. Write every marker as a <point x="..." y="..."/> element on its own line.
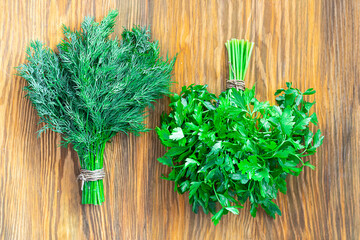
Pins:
<point x="228" y="149"/>
<point x="241" y="150"/>
<point x="93" y="87"/>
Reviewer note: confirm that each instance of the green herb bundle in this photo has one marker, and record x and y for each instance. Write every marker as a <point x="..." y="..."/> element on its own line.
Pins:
<point x="93" y="87"/>
<point x="234" y="148"/>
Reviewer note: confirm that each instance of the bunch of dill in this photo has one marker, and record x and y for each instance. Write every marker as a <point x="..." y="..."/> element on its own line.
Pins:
<point x="93" y="87"/>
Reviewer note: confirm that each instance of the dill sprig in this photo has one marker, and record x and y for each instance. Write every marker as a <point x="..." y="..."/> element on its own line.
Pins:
<point x="93" y="87"/>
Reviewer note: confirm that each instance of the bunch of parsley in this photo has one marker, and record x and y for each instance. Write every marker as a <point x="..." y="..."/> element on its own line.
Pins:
<point x="232" y="148"/>
<point x="93" y="87"/>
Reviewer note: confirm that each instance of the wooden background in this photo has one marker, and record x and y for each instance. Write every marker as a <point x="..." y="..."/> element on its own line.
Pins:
<point x="311" y="43"/>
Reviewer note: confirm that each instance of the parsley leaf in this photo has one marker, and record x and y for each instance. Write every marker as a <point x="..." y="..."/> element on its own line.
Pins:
<point x="176" y="134"/>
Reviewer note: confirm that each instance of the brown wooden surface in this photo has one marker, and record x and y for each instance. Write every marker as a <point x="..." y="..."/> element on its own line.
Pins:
<point x="311" y="43"/>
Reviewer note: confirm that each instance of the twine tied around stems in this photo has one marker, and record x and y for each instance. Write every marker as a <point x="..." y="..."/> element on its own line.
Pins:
<point x="90" y="176"/>
<point x="233" y="83"/>
<point x="238" y="84"/>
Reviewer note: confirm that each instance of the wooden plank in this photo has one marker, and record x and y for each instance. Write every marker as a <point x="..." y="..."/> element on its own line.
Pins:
<point x="311" y="43"/>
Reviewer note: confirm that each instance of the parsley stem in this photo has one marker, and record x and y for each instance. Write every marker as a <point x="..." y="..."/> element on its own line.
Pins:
<point x="239" y="53"/>
<point x="216" y="193"/>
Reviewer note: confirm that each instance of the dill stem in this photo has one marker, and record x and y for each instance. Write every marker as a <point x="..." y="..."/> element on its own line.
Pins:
<point x="93" y="192"/>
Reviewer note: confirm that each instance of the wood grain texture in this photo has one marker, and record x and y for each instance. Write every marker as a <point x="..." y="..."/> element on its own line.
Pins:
<point x="311" y="43"/>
